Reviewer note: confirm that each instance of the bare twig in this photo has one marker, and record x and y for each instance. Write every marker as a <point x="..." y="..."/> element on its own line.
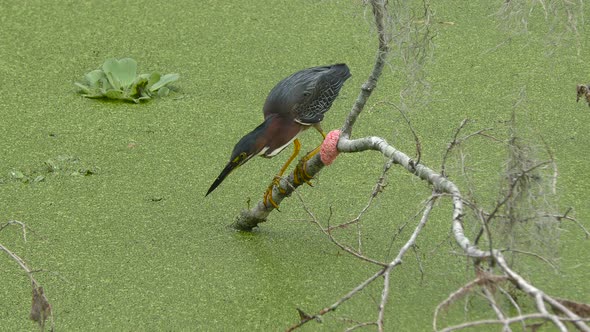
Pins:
<point x="359" y="326"/>
<point x="16" y="222"/>
<point x="501" y="317"/>
<point x="514" y="181"/>
<point x="450" y="147"/>
<point x="40" y="307"/>
<point x="385" y="271"/>
<point x="537" y="256"/>
<point x="343" y="299"/>
<point x="566" y="217"/>
<point x="327" y="232"/>
<point x="482" y="279"/>
<point x="409" y="125"/>
<point x="381" y="16"/>
<point x="508" y="321"/>
<point x="513" y="302"/>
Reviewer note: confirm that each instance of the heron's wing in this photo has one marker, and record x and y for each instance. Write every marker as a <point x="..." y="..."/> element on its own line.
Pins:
<point x="318" y="91"/>
<point x="307" y="94"/>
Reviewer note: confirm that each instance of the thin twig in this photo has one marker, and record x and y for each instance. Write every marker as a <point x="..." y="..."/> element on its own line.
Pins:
<point x="40" y="308"/>
<point x="513" y="302"/>
<point x="328" y="233"/>
<point x="566" y="217"/>
<point x="16" y="222"/>
<point x="343" y="299"/>
<point x="450" y="147"/>
<point x="501" y="317"/>
<point x="535" y="255"/>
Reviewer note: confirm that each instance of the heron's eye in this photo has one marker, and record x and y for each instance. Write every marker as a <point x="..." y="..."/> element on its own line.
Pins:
<point x="241" y="157"/>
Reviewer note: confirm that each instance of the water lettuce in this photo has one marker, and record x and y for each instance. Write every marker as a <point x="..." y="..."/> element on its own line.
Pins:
<point x="118" y="79"/>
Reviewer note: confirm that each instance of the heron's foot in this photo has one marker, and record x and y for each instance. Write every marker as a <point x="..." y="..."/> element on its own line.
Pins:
<point x="300" y="173"/>
<point x="268" y="194"/>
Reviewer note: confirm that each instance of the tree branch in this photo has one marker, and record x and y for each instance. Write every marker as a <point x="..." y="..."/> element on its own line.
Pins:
<point x="40" y="307"/>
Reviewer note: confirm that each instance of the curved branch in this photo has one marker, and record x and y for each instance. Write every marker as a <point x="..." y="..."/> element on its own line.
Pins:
<point x="381" y="17"/>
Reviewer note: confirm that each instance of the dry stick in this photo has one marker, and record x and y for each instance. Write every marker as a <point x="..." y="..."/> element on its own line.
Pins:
<point x="540" y="297"/>
<point x="400" y="230"/>
<point x="420" y="268"/>
<point x="327" y="232"/>
<point x="386" y="270"/>
<point x="439" y="183"/>
<point x="409" y="124"/>
<point x="381" y="16"/>
<point x="346" y="297"/>
<point x="398" y="260"/>
<point x="458" y="141"/>
<point x="450" y="146"/>
<point x="565" y="216"/>
<point x="442" y="184"/>
<point x="378" y="188"/>
<point x="508" y="321"/>
<point x="464" y="290"/>
<point x="416" y="139"/>
<point x="501" y="317"/>
<point x="19" y="261"/>
<point x="16" y="222"/>
<point x="504" y="200"/>
<point x="384" y="296"/>
<point x="359" y="326"/>
<point x="40" y="308"/>
<point x="514" y="304"/>
<point x="537" y="256"/>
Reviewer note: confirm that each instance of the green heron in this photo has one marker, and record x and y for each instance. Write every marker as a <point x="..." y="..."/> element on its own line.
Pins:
<point x="295" y="104"/>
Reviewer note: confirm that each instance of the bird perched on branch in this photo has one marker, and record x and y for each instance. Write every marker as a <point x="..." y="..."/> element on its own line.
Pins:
<point x="583" y="91"/>
<point x="295" y="104"/>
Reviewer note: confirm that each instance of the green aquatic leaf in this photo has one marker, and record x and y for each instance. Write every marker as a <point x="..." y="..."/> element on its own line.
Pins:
<point x="114" y="94"/>
<point x="153" y="78"/>
<point x="84" y="88"/>
<point x="118" y="79"/>
<point x="164" y="80"/>
<point x="163" y="91"/>
<point x="120" y="73"/>
<point x="138" y="86"/>
<point x="94" y="78"/>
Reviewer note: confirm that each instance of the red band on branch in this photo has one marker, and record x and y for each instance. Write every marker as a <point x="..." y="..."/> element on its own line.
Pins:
<point x="329" y="150"/>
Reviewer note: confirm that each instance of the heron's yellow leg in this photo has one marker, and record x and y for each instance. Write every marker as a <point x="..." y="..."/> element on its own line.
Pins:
<point x="296" y="149"/>
<point x="301" y="169"/>
<point x="277" y="179"/>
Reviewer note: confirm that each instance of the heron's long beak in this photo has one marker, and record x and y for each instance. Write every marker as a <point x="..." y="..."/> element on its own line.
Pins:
<point x="231" y="165"/>
<point x="228" y="169"/>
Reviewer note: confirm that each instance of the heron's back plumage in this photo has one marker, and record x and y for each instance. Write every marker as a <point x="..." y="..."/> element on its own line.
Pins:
<point x="308" y="94"/>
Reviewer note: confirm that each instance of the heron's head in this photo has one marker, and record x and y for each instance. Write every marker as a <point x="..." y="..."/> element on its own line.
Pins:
<point x="245" y="149"/>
